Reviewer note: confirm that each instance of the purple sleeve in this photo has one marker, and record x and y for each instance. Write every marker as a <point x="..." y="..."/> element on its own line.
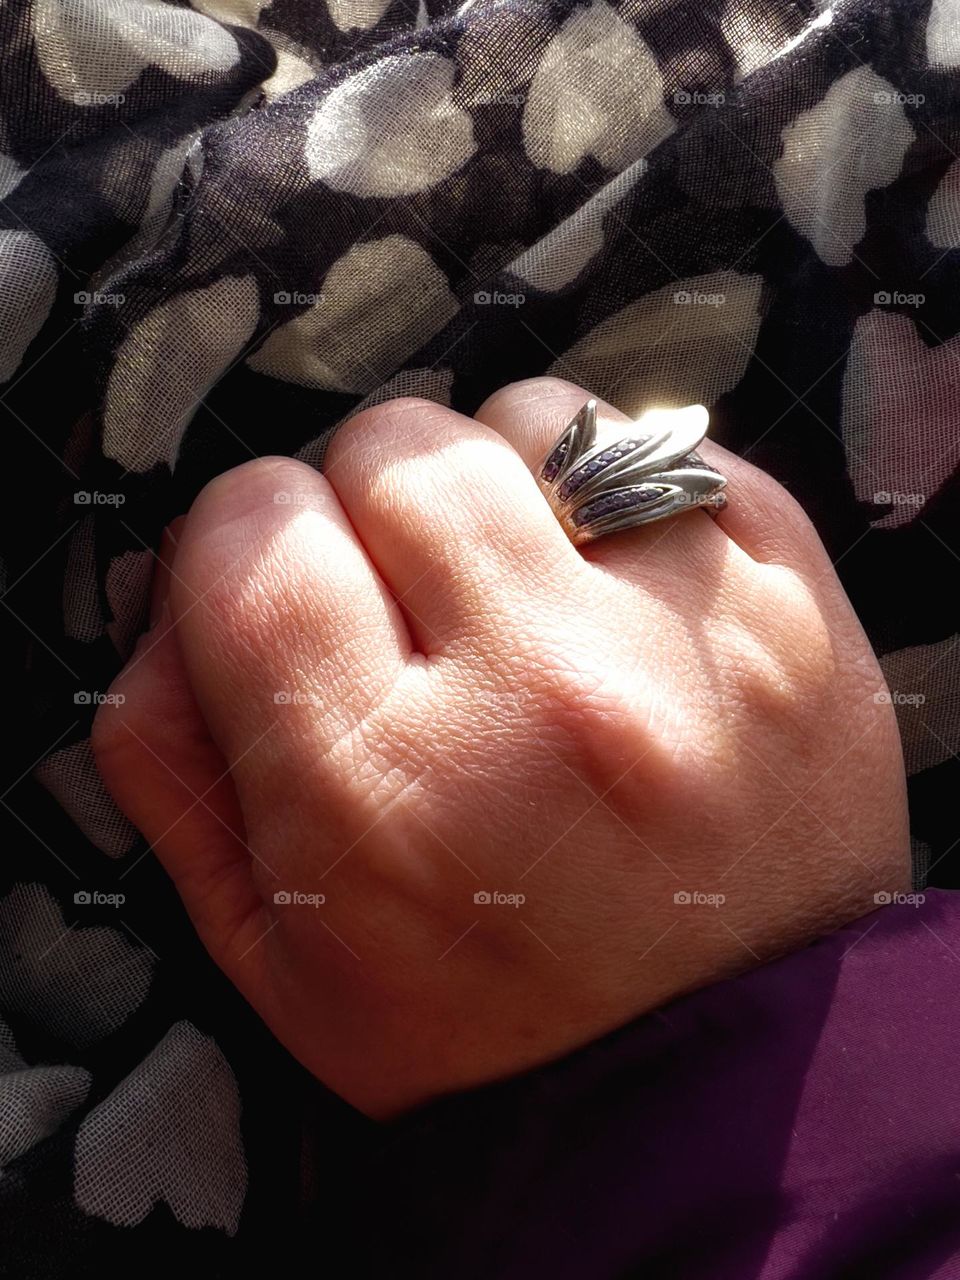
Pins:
<point x="796" y="1123"/>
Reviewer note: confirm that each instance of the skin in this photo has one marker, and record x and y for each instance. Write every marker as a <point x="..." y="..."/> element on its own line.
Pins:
<point x="367" y="690"/>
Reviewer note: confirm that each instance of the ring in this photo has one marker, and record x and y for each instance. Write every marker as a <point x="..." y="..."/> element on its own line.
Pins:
<point x="652" y="473"/>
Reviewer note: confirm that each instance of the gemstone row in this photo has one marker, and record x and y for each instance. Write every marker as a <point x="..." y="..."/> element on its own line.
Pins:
<point x="619" y="501"/>
<point x="587" y="470"/>
<point x="551" y="468"/>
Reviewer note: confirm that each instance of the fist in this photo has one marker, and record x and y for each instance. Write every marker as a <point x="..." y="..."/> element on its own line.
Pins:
<point x="446" y="796"/>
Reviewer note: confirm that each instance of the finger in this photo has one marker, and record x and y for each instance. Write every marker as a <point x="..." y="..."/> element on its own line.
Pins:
<point x="274" y="596"/>
<point x="763" y="517"/>
<point x="680" y="555"/>
<point x="450" y="515"/>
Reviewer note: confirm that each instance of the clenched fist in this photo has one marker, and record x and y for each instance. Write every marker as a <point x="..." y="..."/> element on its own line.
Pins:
<point x="446" y="796"/>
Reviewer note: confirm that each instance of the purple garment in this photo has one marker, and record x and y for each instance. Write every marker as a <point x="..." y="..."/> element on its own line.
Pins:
<point x="800" y="1122"/>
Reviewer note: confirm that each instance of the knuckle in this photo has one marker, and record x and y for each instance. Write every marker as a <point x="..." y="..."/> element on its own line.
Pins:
<point x="789" y="514"/>
<point x="754" y="675"/>
<point x="244" y="486"/>
<point x="585" y="698"/>
<point x="543" y="387"/>
<point x="405" y="418"/>
<point x="797" y="674"/>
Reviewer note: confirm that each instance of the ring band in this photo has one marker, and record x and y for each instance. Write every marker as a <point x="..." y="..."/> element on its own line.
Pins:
<point x="652" y="473"/>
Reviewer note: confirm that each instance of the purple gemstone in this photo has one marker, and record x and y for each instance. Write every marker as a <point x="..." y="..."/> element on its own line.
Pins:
<point x="622" y="500"/>
<point x="593" y="510"/>
<point x="627" y="446"/>
<point x="587" y="470"/>
<point x="576" y="478"/>
<point x="553" y="464"/>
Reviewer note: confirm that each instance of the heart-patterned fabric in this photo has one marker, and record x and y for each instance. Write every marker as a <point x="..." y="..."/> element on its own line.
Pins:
<point x="224" y="227"/>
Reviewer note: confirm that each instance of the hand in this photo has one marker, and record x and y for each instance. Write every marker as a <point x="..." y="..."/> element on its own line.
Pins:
<point x="399" y="686"/>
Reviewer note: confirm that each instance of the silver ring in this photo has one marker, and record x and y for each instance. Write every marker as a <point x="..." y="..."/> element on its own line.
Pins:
<point x="652" y="473"/>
